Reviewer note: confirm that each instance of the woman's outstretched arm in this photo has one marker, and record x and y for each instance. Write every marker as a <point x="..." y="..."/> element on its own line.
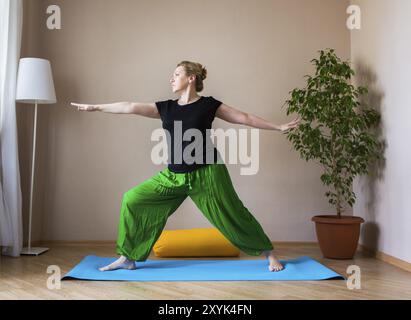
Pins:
<point x="140" y="108"/>
<point x="233" y="115"/>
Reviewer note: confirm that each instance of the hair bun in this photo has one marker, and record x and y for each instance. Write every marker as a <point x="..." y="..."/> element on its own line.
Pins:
<point x="203" y="73"/>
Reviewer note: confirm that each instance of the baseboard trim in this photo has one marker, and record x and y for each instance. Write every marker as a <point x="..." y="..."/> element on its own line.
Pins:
<point x="376" y="254"/>
<point x="295" y="243"/>
<point x="46" y="243"/>
<point x="113" y="242"/>
<point x="386" y="258"/>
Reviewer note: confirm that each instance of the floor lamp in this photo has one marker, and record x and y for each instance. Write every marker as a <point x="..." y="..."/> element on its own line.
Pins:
<point x="34" y="85"/>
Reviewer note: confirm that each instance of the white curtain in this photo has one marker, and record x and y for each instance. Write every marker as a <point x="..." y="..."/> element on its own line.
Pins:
<point x="11" y="228"/>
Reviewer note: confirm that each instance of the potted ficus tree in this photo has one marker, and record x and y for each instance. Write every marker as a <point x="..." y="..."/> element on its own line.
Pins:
<point x="335" y="131"/>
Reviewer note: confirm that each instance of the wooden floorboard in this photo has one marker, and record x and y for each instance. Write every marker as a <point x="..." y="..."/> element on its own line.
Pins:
<point x="26" y="278"/>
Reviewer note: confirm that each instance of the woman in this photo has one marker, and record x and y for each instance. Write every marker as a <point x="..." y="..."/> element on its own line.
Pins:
<point x="146" y="207"/>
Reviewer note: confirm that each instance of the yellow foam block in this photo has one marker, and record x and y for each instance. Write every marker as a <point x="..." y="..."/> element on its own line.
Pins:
<point x="201" y="242"/>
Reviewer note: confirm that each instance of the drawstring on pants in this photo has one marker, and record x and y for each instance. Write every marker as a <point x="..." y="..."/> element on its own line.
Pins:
<point x="189" y="182"/>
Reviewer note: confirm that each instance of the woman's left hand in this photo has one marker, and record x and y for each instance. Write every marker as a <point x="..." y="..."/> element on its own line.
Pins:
<point x="290" y="125"/>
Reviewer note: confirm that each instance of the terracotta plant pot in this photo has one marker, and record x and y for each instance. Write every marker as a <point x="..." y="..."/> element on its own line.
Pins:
<point x="338" y="237"/>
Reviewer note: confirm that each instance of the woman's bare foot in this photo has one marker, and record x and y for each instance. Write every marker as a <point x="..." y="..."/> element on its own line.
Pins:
<point x="274" y="265"/>
<point x="120" y="263"/>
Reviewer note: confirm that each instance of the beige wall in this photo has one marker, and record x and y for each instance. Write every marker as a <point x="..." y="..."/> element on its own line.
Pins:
<point x="381" y="51"/>
<point x="110" y="51"/>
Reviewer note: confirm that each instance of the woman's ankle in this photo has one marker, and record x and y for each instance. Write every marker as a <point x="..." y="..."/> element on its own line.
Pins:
<point x="268" y="253"/>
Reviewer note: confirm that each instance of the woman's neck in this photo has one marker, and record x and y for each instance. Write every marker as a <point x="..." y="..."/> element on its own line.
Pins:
<point x="188" y="97"/>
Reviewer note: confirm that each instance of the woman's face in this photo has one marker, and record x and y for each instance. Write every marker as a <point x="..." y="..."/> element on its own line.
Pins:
<point x="179" y="80"/>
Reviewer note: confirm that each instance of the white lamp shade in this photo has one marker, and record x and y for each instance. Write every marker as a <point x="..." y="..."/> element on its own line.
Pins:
<point x="35" y="81"/>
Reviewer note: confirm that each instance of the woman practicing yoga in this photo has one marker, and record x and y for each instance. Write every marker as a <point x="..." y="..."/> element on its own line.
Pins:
<point x="146" y="207"/>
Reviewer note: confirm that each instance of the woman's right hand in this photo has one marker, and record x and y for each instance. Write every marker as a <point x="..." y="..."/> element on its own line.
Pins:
<point x="85" y="107"/>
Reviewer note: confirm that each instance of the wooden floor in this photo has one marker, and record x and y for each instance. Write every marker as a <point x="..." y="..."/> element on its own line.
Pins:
<point x="26" y="278"/>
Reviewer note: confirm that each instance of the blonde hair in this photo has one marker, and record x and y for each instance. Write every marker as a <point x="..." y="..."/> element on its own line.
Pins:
<point x="194" y="68"/>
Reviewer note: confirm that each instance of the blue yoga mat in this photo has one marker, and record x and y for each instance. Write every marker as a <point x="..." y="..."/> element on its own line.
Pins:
<point x="302" y="268"/>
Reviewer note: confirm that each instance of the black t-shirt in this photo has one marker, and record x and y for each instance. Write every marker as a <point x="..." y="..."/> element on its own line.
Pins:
<point x="177" y="119"/>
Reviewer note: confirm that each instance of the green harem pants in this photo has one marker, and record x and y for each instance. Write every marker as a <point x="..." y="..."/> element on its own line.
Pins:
<point x="146" y="208"/>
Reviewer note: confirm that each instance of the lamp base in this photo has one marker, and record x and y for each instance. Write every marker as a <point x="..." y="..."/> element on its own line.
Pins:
<point x="34" y="251"/>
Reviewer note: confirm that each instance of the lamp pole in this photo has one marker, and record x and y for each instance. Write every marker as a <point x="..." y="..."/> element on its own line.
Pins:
<point x="33" y="159"/>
